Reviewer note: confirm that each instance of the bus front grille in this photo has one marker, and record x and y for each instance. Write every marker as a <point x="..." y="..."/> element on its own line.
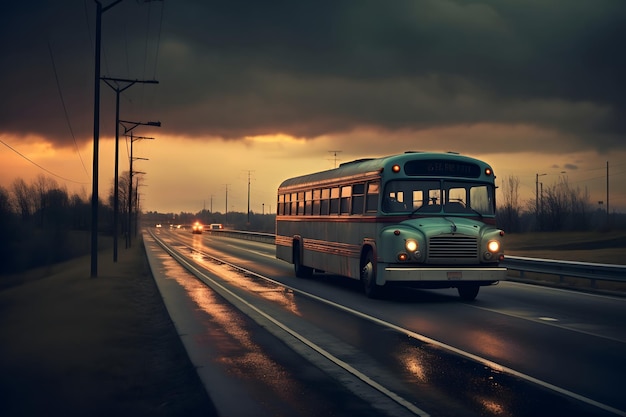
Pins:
<point x="452" y="246"/>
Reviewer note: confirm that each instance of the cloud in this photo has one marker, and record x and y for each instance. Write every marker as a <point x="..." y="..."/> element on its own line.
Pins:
<point x="327" y="68"/>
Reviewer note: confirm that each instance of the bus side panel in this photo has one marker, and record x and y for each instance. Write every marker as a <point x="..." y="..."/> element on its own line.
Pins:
<point x="284" y="248"/>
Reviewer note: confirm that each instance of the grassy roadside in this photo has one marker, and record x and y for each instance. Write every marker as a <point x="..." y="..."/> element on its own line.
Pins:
<point x="75" y="346"/>
<point x="598" y="247"/>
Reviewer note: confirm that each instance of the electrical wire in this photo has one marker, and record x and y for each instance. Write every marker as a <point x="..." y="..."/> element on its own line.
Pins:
<point x="67" y="118"/>
<point x="39" y="166"/>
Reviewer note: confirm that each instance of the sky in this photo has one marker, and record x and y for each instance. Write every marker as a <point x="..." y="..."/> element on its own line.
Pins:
<point x="251" y="93"/>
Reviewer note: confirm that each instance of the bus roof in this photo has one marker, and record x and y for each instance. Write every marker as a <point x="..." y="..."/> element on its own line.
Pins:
<point x="362" y="167"/>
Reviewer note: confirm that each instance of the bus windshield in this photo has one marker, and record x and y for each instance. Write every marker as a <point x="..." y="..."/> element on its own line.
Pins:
<point x="439" y="197"/>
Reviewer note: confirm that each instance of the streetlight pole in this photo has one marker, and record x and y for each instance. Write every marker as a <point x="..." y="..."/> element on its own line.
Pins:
<point x="118" y="90"/>
<point x="537" y="195"/>
<point x="130" y="184"/>
<point x="130" y="179"/>
<point x="96" y="137"/>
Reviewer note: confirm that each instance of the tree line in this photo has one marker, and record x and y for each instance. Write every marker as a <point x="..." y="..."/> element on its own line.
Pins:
<point x="42" y="223"/>
<point x="557" y="207"/>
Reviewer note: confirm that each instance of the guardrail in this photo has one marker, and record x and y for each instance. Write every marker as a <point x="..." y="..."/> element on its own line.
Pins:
<point x="591" y="271"/>
<point x="240" y="234"/>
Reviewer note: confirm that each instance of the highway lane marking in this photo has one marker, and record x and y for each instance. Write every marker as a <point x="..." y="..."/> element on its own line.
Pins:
<point x="486" y="362"/>
<point x="548" y="321"/>
<point x="344" y="365"/>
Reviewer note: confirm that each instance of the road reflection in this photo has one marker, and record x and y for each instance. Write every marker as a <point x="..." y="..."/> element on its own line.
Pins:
<point x="231" y="339"/>
<point x="280" y="295"/>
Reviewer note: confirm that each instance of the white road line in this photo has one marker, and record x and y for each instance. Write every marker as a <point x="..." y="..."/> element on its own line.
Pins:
<point x="426" y="339"/>
<point x="344" y="365"/>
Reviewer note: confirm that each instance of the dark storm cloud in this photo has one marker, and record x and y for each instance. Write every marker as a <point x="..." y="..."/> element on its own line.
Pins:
<point x="235" y="68"/>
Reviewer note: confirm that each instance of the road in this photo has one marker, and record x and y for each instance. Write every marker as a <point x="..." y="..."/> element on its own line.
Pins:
<point x="518" y="350"/>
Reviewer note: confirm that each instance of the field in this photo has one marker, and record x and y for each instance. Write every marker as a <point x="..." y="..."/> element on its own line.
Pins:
<point x="598" y="247"/>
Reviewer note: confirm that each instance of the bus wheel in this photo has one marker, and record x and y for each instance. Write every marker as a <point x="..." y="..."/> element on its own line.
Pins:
<point x="368" y="277"/>
<point x="300" y="270"/>
<point x="468" y="292"/>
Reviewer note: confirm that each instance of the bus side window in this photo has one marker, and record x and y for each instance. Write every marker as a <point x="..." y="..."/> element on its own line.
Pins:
<point x="358" y="198"/>
<point x="371" y="199"/>
<point x="281" y="204"/>
<point x="334" y="200"/>
<point x="300" y="203"/>
<point x="308" y="203"/>
<point x="293" y="210"/>
<point x="317" y="195"/>
<point x="325" y="202"/>
<point x="346" y="196"/>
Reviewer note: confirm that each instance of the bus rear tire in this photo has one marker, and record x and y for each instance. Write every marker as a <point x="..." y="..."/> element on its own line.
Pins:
<point x="368" y="277"/>
<point x="300" y="270"/>
<point x="468" y="292"/>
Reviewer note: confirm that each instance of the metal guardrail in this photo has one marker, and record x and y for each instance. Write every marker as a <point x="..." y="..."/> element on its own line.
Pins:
<point x="241" y="234"/>
<point x="591" y="271"/>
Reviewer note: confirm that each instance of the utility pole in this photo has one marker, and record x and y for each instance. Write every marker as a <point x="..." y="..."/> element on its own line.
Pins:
<point x="118" y="90"/>
<point x="335" y="157"/>
<point x="226" y="212"/>
<point x="608" y="218"/>
<point x="249" y="172"/>
<point x="96" y="138"/>
<point x="96" y="135"/>
<point x="130" y="179"/>
<point x="537" y="196"/>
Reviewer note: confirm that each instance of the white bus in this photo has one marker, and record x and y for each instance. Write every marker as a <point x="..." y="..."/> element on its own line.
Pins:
<point x="415" y="219"/>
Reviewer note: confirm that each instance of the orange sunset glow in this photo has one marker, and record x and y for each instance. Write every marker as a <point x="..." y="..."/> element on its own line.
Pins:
<point x="262" y="95"/>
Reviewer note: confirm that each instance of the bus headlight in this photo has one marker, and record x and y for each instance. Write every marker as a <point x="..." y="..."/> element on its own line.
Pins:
<point x="493" y="246"/>
<point x="411" y="245"/>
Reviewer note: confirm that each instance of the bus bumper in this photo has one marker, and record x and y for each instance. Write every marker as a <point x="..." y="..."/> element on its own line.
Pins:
<point x="443" y="275"/>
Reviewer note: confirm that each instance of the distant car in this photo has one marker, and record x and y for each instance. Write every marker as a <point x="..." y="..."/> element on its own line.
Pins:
<point x="216" y="226"/>
<point x="197" y="228"/>
<point x="158" y="225"/>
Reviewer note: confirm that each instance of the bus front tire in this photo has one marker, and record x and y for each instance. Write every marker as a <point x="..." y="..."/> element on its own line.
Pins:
<point x="368" y="277"/>
<point x="468" y="292"/>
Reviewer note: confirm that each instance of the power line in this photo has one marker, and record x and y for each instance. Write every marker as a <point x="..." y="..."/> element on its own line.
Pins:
<point x="67" y="118"/>
<point x="39" y="166"/>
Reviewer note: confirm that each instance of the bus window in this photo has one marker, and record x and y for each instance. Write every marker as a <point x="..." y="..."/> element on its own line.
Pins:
<point x="371" y="200"/>
<point x="455" y="200"/>
<point x="308" y="203"/>
<point x="281" y="204"/>
<point x="358" y="198"/>
<point x="418" y="199"/>
<point x="395" y="197"/>
<point x="293" y="204"/>
<point x="481" y="199"/>
<point x="325" y="202"/>
<point x="346" y="194"/>
<point x="300" y="204"/>
<point x="334" y="200"/>
<point x="434" y="197"/>
<point x="317" y="195"/>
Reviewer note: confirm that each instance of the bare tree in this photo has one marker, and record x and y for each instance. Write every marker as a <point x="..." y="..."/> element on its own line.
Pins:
<point x="509" y="212"/>
<point x="23" y="195"/>
<point x="564" y="207"/>
<point x="5" y="202"/>
<point x="42" y="187"/>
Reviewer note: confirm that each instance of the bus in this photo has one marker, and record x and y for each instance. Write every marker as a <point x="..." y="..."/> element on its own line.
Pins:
<point x="417" y="219"/>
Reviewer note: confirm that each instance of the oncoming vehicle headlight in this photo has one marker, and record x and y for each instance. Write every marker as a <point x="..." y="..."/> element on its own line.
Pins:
<point x="493" y="246"/>
<point x="411" y="245"/>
